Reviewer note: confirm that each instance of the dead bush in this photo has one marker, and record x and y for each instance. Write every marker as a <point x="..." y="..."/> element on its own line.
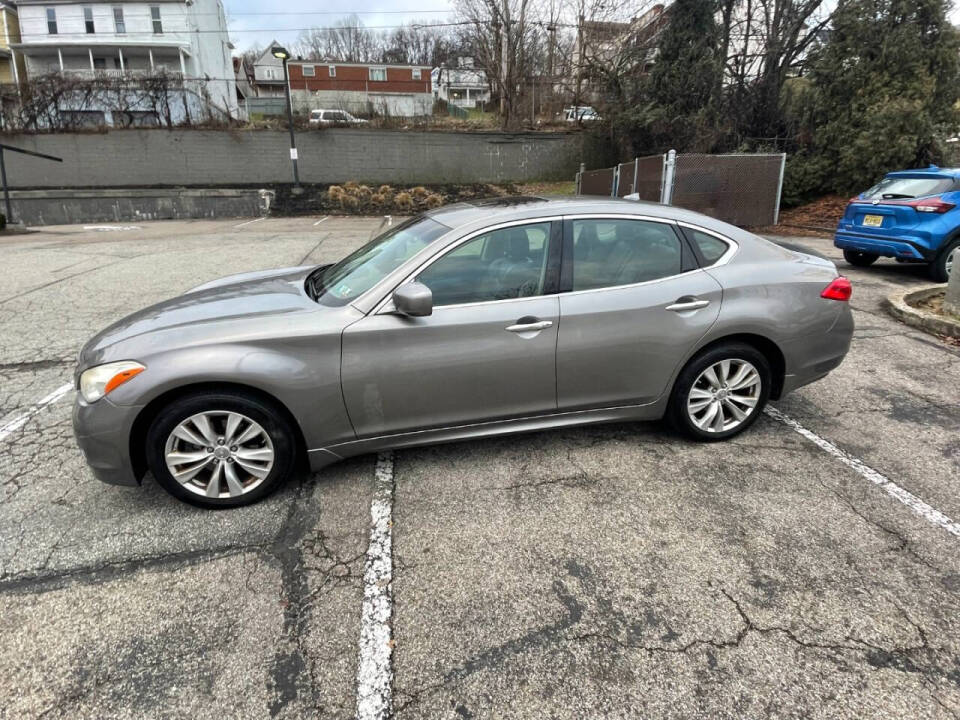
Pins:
<point x="335" y="193"/>
<point x="419" y="192"/>
<point x="404" y="201"/>
<point x="433" y="200"/>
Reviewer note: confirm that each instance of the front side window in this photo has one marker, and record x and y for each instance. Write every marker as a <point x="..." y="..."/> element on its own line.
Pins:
<point x="342" y="283"/>
<point x="378" y="74"/>
<point x="88" y="20"/>
<point x="711" y="248"/>
<point x="612" y="252"/>
<point x="498" y="265"/>
<point x="118" y="22"/>
<point x="52" y="21"/>
<point x="155" y="19"/>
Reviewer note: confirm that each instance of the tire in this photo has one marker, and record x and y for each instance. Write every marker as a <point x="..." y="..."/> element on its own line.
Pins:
<point x="948" y="255"/>
<point x="262" y="458"/>
<point x="859" y="259"/>
<point x="694" y="379"/>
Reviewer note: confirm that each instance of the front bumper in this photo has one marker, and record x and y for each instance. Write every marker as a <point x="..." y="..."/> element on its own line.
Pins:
<point x="897" y="247"/>
<point x="102" y="430"/>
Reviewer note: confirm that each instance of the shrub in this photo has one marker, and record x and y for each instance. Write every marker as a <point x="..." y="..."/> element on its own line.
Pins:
<point x="404" y="201"/>
<point x="433" y="200"/>
<point x="419" y="192"/>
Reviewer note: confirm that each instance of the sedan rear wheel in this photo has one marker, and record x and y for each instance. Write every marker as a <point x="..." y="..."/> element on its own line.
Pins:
<point x="721" y="392"/>
<point x="220" y="449"/>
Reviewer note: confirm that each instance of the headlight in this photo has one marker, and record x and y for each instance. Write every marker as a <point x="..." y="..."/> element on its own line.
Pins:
<point x="98" y="381"/>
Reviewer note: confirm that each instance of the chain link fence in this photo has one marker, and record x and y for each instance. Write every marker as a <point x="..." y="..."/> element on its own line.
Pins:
<point x="742" y="189"/>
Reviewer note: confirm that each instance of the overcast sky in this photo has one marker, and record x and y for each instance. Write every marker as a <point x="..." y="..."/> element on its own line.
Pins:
<point x="254" y="22"/>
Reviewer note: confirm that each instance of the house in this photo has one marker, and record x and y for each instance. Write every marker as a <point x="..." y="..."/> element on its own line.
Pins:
<point x="12" y="66"/>
<point x="463" y="86"/>
<point x="185" y="40"/>
<point x="361" y="88"/>
<point x="268" y="73"/>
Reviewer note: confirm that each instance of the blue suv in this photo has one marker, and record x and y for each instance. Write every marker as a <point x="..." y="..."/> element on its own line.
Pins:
<point x="910" y="215"/>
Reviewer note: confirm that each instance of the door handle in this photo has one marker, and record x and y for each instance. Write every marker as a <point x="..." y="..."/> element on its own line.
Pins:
<point x="685" y="304"/>
<point x="530" y="327"/>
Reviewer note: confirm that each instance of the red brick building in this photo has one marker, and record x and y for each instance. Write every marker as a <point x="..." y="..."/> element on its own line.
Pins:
<point x="395" y="90"/>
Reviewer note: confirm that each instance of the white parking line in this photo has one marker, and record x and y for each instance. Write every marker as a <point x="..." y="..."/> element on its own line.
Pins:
<point x="18" y="422"/>
<point x="921" y="508"/>
<point x="326" y="217"/>
<point x="250" y="222"/>
<point x="374" y="669"/>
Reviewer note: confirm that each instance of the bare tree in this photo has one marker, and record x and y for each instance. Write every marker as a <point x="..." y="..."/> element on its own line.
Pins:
<point x="346" y="41"/>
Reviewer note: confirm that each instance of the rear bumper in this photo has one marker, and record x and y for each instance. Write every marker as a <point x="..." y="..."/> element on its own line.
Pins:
<point x="899" y="247"/>
<point x="102" y="430"/>
<point x="811" y="358"/>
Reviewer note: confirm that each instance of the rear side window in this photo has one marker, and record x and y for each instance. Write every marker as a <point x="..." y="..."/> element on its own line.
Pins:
<point x="898" y="188"/>
<point x="711" y="248"/>
<point x="611" y="252"/>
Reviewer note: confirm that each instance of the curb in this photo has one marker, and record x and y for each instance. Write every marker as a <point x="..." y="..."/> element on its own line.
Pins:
<point x="899" y="306"/>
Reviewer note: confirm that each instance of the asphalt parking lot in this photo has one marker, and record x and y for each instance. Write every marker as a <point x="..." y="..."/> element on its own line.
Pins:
<point x="611" y="571"/>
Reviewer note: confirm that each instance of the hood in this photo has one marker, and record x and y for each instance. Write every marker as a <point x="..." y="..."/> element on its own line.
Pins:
<point x="219" y="308"/>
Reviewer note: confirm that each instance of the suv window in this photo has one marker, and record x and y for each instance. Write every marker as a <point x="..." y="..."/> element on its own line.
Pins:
<point x="612" y="252"/>
<point x="499" y="265"/>
<point x="893" y="188"/>
<point x="711" y="248"/>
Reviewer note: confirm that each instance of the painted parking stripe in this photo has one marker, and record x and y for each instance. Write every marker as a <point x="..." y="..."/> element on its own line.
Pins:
<point x="326" y="217"/>
<point x="18" y="422"/>
<point x="921" y="508"/>
<point x="250" y="222"/>
<point x="374" y="668"/>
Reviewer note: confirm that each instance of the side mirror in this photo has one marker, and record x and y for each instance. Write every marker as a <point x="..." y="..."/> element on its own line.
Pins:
<point x="413" y="299"/>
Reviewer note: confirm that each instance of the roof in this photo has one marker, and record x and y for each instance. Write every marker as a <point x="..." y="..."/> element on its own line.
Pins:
<point x="490" y="211"/>
<point x="931" y="170"/>
<point x="337" y="63"/>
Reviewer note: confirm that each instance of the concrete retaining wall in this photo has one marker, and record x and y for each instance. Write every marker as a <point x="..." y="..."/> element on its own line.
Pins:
<point x="151" y="158"/>
<point x="64" y="207"/>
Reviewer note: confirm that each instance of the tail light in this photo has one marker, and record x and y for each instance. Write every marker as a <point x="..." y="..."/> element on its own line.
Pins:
<point x="931" y="205"/>
<point x="839" y="289"/>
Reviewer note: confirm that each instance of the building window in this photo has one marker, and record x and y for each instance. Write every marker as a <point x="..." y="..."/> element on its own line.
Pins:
<point x="88" y="20"/>
<point x="308" y="70"/>
<point x="119" y="25"/>
<point x="155" y="18"/>
<point x="52" y="21"/>
<point x="99" y="63"/>
<point x="415" y="73"/>
<point x="332" y="70"/>
<point x="378" y="74"/>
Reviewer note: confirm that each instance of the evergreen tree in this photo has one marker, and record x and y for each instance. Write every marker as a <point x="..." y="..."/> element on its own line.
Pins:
<point x="679" y="98"/>
<point x="887" y="84"/>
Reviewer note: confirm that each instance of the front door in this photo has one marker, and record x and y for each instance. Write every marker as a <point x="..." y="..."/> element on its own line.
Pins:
<point x="486" y="353"/>
<point x="636" y="306"/>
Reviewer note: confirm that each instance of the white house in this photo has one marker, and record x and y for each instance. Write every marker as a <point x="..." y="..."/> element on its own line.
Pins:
<point x="268" y="73"/>
<point x="184" y="38"/>
<point x="463" y="86"/>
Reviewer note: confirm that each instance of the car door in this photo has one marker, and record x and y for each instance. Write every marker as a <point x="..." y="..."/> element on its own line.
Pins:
<point x="486" y="353"/>
<point x="633" y="304"/>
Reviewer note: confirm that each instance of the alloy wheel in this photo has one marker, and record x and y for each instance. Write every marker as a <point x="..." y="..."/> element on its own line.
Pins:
<point x="724" y="395"/>
<point x="219" y="454"/>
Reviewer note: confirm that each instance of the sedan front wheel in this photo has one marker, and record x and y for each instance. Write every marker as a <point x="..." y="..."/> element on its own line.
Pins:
<point x="220" y="449"/>
<point x="721" y="392"/>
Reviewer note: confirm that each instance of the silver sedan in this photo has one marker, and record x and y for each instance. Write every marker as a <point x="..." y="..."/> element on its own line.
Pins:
<point x="492" y="317"/>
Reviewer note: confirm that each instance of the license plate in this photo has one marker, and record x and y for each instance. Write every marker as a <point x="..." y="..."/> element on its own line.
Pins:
<point x="873" y="220"/>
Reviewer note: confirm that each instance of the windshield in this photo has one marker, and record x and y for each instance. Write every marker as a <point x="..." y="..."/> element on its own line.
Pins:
<point x="342" y="283"/>
<point x="893" y="188"/>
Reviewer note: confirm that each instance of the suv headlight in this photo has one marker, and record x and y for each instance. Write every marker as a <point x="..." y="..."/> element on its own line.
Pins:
<point x="100" y="380"/>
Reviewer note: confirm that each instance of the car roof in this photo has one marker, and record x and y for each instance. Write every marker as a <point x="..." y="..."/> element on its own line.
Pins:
<point x="931" y="171"/>
<point x="494" y="210"/>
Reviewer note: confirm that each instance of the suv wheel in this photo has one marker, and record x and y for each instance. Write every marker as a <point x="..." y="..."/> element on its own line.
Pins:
<point x="860" y="259"/>
<point x="721" y="392"/>
<point x="949" y="256"/>
<point x="220" y="449"/>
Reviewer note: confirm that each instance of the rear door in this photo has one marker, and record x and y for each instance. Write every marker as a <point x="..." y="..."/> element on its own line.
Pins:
<point x="633" y="304"/>
<point x="486" y="353"/>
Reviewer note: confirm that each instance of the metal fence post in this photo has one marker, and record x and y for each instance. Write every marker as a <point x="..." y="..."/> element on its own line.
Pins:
<point x="776" y="208"/>
<point x="580" y="172"/>
<point x="669" y="167"/>
<point x="636" y="170"/>
<point x="615" y="182"/>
